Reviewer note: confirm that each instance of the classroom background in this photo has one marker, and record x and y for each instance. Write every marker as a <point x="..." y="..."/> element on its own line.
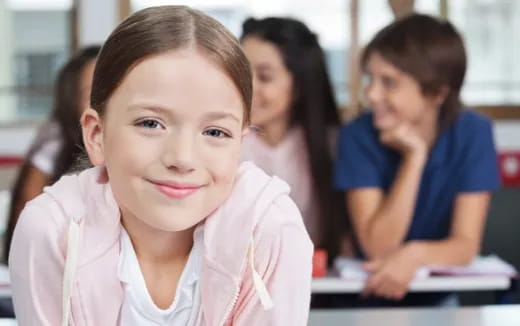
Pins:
<point x="38" y="36"/>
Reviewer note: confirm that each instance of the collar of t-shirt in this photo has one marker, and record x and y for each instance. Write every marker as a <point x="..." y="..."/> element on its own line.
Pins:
<point x="138" y="306"/>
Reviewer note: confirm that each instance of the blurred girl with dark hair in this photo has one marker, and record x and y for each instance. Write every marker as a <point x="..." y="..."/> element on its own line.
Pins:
<point x="58" y="142"/>
<point x="296" y="119"/>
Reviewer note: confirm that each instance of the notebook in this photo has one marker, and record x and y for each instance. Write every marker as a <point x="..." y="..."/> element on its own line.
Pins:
<point x="350" y="268"/>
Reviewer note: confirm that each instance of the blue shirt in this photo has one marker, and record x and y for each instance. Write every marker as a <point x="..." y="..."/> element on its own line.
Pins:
<point x="463" y="159"/>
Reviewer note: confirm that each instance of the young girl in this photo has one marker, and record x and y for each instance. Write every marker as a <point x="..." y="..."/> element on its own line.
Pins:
<point x="57" y="144"/>
<point x="168" y="228"/>
<point x="296" y="118"/>
<point x="417" y="170"/>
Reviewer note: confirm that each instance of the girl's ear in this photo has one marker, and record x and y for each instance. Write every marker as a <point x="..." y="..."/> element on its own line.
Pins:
<point x="92" y="127"/>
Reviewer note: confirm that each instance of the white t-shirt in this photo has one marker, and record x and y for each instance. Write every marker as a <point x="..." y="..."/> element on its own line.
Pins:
<point x="138" y="307"/>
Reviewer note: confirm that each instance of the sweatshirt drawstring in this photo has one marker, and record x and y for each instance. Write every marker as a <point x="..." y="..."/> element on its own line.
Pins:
<point x="71" y="265"/>
<point x="261" y="289"/>
<point x="70" y="269"/>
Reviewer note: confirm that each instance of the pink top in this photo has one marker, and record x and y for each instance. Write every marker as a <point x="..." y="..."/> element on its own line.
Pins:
<point x="289" y="161"/>
<point x="269" y="248"/>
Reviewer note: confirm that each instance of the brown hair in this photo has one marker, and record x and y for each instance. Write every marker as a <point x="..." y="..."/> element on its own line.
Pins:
<point x="157" y="30"/>
<point x="429" y="50"/>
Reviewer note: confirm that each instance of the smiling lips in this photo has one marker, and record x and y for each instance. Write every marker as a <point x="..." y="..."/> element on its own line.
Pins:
<point x="176" y="190"/>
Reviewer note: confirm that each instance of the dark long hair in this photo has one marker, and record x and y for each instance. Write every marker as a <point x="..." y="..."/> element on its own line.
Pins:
<point x="67" y="112"/>
<point x="313" y="108"/>
<point x="65" y="115"/>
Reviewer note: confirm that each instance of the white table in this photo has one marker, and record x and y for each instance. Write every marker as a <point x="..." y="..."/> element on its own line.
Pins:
<point x="430" y="284"/>
<point x="5" y="289"/>
<point x="5" y="292"/>
<point x="474" y="316"/>
<point x="328" y="285"/>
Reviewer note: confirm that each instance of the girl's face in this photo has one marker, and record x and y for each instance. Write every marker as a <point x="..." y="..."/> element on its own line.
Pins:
<point x="170" y="139"/>
<point x="272" y="82"/>
<point x="395" y="96"/>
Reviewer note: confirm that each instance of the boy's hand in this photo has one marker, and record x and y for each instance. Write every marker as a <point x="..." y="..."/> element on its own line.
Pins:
<point x="391" y="276"/>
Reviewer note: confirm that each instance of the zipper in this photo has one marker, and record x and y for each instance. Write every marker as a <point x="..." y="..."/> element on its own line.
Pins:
<point x="230" y="309"/>
<point x="235" y="296"/>
<point x="258" y="284"/>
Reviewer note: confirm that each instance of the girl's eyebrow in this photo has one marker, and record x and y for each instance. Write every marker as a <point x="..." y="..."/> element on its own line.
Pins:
<point x="218" y="115"/>
<point x="209" y="116"/>
<point x="264" y="66"/>
<point x="148" y="107"/>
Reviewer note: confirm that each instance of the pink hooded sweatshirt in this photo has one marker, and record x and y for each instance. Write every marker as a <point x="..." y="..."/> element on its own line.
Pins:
<point x="255" y="269"/>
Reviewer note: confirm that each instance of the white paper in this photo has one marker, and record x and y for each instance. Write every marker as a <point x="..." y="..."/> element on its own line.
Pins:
<point x="350" y="268"/>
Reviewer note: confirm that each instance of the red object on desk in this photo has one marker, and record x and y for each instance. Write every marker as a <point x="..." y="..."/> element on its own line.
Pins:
<point x="509" y="164"/>
<point x="319" y="263"/>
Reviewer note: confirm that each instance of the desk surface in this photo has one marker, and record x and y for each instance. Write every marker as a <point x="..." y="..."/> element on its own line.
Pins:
<point x="474" y="316"/>
<point x="478" y="316"/>
<point x="338" y="285"/>
<point x="5" y="289"/>
<point x="7" y="322"/>
<point x="430" y="284"/>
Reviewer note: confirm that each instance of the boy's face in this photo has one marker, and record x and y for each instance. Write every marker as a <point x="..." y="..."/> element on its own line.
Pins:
<point x="170" y="140"/>
<point x="396" y="97"/>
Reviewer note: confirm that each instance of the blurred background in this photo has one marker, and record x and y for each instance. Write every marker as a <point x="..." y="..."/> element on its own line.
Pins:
<point x="38" y="36"/>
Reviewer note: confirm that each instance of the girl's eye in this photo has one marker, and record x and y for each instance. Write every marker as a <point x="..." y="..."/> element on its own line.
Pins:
<point x="150" y="124"/>
<point x="217" y="133"/>
<point x="264" y="78"/>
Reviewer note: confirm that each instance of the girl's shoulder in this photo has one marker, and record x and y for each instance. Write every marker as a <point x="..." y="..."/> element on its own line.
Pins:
<point x="41" y="225"/>
<point x="276" y="218"/>
<point x="255" y="200"/>
<point x="46" y="145"/>
<point x="78" y="198"/>
<point x="258" y="209"/>
<point x="269" y="195"/>
<point x="51" y="211"/>
<point x="49" y="131"/>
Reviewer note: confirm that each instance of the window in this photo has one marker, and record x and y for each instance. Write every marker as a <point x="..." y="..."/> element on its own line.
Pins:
<point x="490" y="30"/>
<point x="329" y="19"/>
<point x="37" y="44"/>
<point x="487" y="26"/>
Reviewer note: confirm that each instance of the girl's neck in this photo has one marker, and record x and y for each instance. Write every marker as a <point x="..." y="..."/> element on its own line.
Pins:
<point x="274" y="132"/>
<point x="156" y="246"/>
